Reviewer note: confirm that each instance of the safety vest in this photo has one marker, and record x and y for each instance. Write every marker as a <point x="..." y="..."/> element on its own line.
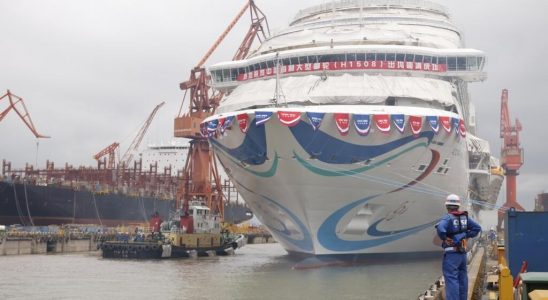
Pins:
<point x="458" y="223"/>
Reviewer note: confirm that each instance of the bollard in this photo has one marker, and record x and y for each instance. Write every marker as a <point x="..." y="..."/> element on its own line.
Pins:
<point x="505" y="283"/>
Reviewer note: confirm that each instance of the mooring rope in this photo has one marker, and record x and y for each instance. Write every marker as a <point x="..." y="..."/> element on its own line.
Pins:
<point x="27" y="201"/>
<point x="96" y="210"/>
<point x="19" y="211"/>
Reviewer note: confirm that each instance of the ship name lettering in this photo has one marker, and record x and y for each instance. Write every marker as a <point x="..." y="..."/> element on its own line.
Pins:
<point x="401" y="65"/>
<point x="269" y="71"/>
<point x="435" y="67"/>
<point x="342" y="65"/>
<point x="426" y="66"/>
<point x="291" y="68"/>
<point x="373" y="64"/>
<point x="299" y="68"/>
<point x="261" y="72"/>
<point x="409" y="65"/>
<point x="391" y="64"/>
<point x="308" y="67"/>
<point x="316" y="66"/>
<point x="325" y="66"/>
<point x="418" y="66"/>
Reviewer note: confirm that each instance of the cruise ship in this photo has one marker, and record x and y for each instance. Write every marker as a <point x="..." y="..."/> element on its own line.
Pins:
<point x="345" y="131"/>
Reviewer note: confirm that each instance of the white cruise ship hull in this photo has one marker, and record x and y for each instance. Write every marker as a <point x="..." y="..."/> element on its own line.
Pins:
<point x="322" y="192"/>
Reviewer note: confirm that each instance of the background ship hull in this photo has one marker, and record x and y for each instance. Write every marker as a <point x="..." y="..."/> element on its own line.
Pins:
<point x="46" y="205"/>
<point x="316" y="199"/>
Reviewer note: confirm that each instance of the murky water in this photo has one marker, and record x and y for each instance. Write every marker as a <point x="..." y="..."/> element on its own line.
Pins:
<point x="255" y="272"/>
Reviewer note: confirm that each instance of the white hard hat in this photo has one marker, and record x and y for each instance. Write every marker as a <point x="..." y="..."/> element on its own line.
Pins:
<point x="452" y="200"/>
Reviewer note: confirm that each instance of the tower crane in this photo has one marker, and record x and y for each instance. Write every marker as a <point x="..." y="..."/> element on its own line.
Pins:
<point x="110" y="151"/>
<point x="201" y="168"/>
<point x="511" y="156"/>
<point x="127" y="158"/>
<point x="18" y="105"/>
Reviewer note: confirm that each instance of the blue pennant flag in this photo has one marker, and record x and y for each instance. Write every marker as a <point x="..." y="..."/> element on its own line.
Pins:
<point x="399" y="121"/>
<point x="434" y="123"/>
<point x="455" y="123"/>
<point x="315" y="119"/>
<point x="212" y="125"/>
<point x="362" y="123"/>
<point x="262" y="116"/>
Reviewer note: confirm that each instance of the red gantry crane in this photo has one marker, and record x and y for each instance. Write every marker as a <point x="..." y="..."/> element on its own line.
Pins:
<point x="110" y="163"/>
<point x="18" y="105"/>
<point x="201" y="169"/>
<point x="511" y="156"/>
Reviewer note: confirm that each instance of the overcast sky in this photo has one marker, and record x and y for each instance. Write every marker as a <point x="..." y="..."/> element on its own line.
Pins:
<point x="91" y="71"/>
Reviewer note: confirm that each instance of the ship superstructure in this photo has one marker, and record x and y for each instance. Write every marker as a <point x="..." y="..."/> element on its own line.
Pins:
<point x="345" y="131"/>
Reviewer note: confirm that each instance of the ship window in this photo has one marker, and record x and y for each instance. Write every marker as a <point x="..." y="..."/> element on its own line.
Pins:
<point x="351" y="56"/>
<point x="370" y="56"/>
<point x="390" y="57"/>
<point x="409" y="57"/>
<point x="360" y="57"/>
<point x="442" y="60"/>
<point x="294" y="60"/>
<point x="452" y="63"/>
<point x="461" y="63"/>
<point x="313" y="59"/>
<point x="303" y="59"/>
<point x="480" y="62"/>
<point x="471" y="63"/>
<point x="251" y="68"/>
<point x="226" y="74"/>
<point x="400" y="57"/>
<point x="325" y="58"/>
<point x="440" y="169"/>
<point x="257" y="66"/>
<point x="286" y="61"/>
<point x="241" y="71"/>
<point x="233" y="74"/>
<point x="270" y="63"/>
<point x="427" y="59"/>
<point x="418" y="58"/>
<point x="445" y="162"/>
<point x="381" y="56"/>
<point x="446" y="170"/>
<point x="421" y="168"/>
<point x="262" y="65"/>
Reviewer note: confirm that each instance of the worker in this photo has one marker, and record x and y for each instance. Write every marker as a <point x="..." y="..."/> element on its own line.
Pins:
<point x="454" y="229"/>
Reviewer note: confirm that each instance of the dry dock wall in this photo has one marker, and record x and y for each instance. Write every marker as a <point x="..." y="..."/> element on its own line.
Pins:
<point x="37" y="246"/>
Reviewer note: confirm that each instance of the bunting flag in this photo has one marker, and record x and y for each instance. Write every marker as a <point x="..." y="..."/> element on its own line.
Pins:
<point x="434" y="123"/>
<point x="399" y="121"/>
<point x="289" y="118"/>
<point x="212" y="126"/>
<point x="446" y="123"/>
<point x="315" y="119"/>
<point x="227" y="122"/>
<point x="242" y="122"/>
<point x="415" y="122"/>
<point x="343" y="122"/>
<point x="462" y="128"/>
<point x="362" y="123"/>
<point x="455" y="124"/>
<point x="262" y="116"/>
<point x="382" y="122"/>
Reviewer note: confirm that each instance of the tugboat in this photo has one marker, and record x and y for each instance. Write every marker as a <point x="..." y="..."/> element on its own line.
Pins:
<point x="190" y="232"/>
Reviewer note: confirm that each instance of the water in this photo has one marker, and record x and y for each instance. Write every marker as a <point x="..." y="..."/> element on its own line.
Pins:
<point x="255" y="272"/>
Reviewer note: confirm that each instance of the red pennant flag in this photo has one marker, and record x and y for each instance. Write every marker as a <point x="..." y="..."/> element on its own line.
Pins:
<point x="242" y="122"/>
<point x="446" y="123"/>
<point x="343" y="122"/>
<point x="416" y="124"/>
<point x="462" y="128"/>
<point x="382" y="122"/>
<point x="289" y="118"/>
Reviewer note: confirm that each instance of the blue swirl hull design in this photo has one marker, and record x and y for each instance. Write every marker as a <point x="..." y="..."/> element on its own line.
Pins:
<point x="319" y="192"/>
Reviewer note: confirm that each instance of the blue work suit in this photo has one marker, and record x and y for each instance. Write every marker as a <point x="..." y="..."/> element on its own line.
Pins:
<point x="457" y="226"/>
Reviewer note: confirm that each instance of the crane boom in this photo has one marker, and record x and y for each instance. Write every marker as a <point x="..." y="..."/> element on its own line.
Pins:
<point x="21" y="111"/>
<point x="127" y="158"/>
